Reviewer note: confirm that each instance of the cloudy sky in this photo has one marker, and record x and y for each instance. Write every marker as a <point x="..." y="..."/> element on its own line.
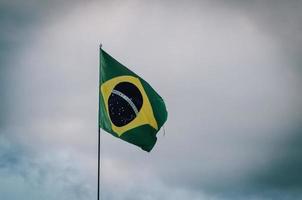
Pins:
<point x="229" y="71"/>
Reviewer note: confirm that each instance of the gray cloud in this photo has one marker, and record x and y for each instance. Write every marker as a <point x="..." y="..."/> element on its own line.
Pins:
<point x="28" y="175"/>
<point x="25" y="173"/>
<point x="224" y="69"/>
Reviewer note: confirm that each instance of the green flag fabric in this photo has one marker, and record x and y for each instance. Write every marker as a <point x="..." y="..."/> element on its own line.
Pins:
<point x="130" y="108"/>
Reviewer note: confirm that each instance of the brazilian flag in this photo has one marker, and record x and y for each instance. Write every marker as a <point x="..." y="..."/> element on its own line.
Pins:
<point x="130" y="108"/>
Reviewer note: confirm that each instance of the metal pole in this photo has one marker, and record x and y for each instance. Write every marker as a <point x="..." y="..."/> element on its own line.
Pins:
<point x="99" y="130"/>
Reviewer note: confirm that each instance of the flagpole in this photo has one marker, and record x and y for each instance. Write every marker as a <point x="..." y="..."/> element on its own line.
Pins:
<point x="99" y="130"/>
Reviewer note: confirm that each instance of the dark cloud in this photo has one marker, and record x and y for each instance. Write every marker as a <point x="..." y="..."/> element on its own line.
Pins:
<point x="284" y="172"/>
<point x="281" y="20"/>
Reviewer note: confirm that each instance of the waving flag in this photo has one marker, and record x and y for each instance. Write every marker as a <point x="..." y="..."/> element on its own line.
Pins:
<point x="130" y="108"/>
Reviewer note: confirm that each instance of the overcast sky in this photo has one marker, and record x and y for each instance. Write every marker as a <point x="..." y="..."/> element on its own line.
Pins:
<point x="229" y="72"/>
